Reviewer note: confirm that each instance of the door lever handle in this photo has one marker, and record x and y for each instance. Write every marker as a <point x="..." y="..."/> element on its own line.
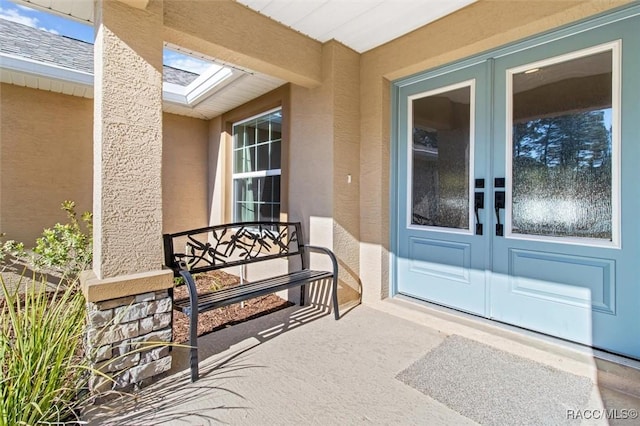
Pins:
<point x="499" y="202"/>
<point x="477" y="205"/>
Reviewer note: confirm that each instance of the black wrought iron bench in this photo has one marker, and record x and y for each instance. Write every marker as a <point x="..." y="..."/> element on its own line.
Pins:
<point x="235" y="244"/>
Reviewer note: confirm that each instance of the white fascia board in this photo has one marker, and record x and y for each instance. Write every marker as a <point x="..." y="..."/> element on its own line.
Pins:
<point x="202" y="86"/>
<point x="174" y="93"/>
<point x="200" y="89"/>
<point x="171" y="92"/>
<point x="40" y="69"/>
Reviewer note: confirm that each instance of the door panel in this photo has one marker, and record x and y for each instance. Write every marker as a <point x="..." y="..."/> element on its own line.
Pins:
<point x="562" y="137"/>
<point x="440" y="259"/>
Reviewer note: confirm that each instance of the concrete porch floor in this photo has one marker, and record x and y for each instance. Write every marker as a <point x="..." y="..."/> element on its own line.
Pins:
<point x="300" y="366"/>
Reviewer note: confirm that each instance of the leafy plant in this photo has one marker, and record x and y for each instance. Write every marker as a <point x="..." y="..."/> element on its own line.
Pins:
<point x="11" y="248"/>
<point x="40" y="353"/>
<point x="66" y="247"/>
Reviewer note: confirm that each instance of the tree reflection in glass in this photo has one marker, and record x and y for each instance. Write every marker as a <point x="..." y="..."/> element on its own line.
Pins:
<point x="562" y="149"/>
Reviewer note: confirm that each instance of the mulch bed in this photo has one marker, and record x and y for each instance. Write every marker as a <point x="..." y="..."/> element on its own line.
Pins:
<point x="222" y="317"/>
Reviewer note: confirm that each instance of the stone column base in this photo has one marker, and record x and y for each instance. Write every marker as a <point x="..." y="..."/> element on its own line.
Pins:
<point x="128" y="320"/>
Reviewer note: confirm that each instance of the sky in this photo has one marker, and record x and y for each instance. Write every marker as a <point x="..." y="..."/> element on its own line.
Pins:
<point x="75" y="29"/>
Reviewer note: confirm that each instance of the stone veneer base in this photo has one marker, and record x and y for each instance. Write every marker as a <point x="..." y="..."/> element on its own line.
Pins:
<point x="129" y="327"/>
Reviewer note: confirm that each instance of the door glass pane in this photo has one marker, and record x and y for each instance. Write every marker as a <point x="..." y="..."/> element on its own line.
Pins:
<point x="440" y="152"/>
<point x="562" y="148"/>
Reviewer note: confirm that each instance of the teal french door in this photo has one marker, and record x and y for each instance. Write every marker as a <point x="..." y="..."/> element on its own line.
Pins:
<point x="517" y="195"/>
<point x="443" y="148"/>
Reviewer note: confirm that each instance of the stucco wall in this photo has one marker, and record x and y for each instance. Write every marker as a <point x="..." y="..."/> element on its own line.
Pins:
<point x="324" y="154"/>
<point x="185" y="193"/>
<point x="346" y="167"/>
<point x="46" y="157"/>
<point x="46" y="141"/>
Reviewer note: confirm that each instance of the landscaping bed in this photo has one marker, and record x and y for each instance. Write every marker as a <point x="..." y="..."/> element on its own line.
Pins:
<point x="223" y="317"/>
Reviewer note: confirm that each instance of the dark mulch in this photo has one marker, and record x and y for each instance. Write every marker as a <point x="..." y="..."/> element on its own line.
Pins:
<point x="223" y="317"/>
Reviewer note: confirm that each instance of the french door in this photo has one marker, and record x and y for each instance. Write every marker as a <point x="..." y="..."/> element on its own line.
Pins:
<point x="443" y="148"/>
<point x="517" y="187"/>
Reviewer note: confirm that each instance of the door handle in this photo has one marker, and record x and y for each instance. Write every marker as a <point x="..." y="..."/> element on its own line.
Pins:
<point x="477" y="205"/>
<point x="499" y="204"/>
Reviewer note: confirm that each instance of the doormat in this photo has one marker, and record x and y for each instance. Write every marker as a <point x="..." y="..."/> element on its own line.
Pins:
<point x="493" y="387"/>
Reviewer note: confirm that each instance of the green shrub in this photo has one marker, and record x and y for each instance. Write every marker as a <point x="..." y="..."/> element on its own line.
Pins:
<point x="66" y="248"/>
<point x="41" y="353"/>
<point x="11" y="248"/>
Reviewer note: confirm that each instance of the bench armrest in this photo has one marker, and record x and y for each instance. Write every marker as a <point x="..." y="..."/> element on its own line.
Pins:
<point x="334" y="262"/>
<point x="328" y="252"/>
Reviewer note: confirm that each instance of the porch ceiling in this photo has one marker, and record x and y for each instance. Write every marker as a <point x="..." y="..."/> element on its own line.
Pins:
<point x="359" y="24"/>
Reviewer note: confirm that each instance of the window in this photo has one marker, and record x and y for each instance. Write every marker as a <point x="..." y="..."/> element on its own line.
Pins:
<point x="441" y="156"/>
<point x="563" y="150"/>
<point x="257" y="143"/>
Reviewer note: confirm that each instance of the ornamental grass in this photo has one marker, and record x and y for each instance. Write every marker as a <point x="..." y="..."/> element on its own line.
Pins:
<point x="43" y="368"/>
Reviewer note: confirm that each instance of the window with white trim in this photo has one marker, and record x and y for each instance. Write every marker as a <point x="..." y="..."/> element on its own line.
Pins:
<point x="257" y="144"/>
<point x="564" y="151"/>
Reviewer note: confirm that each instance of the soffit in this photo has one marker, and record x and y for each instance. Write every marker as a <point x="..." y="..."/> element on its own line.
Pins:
<point x="79" y="9"/>
<point x="360" y="24"/>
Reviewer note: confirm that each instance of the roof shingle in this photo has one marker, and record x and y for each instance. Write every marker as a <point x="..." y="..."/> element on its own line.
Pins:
<point x="43" y="46"/>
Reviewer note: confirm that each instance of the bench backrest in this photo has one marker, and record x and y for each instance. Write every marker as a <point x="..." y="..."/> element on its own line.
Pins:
<point x="232" y="244"/>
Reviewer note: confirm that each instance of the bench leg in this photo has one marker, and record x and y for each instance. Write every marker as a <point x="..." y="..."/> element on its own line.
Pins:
<point x="334" y="296"/>
<point x="302" y="288"/>
<point x="193" y="341"/>
<point x="193" y="323"/>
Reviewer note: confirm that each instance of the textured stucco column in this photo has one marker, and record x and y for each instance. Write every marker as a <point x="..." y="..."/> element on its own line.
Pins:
<point x="126" y="292"/>
<point x="127" y="139"/>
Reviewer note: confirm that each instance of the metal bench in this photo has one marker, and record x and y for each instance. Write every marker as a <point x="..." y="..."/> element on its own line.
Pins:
<point x="236" y="244"/>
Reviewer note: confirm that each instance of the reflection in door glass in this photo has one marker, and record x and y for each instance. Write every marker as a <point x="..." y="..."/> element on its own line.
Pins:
<point x="440" y="174"/>
<point x="562" y="149"/>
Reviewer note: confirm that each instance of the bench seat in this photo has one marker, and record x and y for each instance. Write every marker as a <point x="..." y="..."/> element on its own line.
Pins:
<point x="238" y="293"/>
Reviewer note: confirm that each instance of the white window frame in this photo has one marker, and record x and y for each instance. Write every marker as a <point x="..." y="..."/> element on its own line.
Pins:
<point x="472" y="132"/>
<point x="616" y="66"/>
<point x="256" y="174"/>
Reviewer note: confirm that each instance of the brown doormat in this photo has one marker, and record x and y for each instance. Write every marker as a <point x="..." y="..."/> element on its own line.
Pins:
<point x="493" y="387"/>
